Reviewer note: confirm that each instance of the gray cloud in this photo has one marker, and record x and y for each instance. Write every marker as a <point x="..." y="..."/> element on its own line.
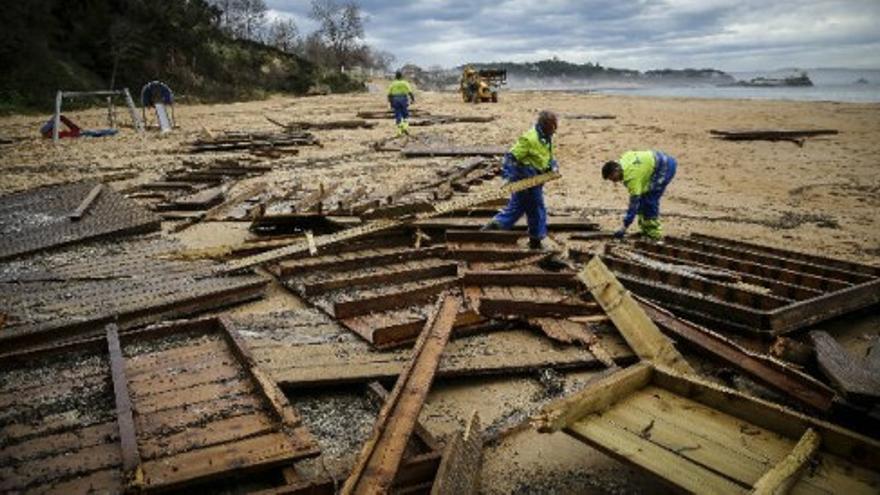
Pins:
<point x="638" y="34"/>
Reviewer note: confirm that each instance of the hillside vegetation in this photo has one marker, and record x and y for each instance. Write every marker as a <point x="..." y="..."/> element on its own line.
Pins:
<point x="46" y="45"/>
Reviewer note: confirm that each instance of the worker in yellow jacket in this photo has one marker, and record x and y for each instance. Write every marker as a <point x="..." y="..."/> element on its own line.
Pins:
<point x="531" y="155"/>
<point x="400" y="95"/>
<point x="646" y="174"/>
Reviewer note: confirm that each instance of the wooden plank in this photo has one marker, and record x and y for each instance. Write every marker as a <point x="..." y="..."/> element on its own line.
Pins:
<point x="131" y="460"/>
<point x="637" y="329"/>
<point x="459" y="471"/>
<point x="357" y="307"/>
<point x="58" y="467"/>
<point x="226" y="430"/>
<point x="521" y="308"/>
<point x="847" y="373"/>
<point x="605" y="435"/>
<point x="594" y="398"/>
<point x="195" y="413"/>
<point x="86" y="203"/>
<point x="786" y="473"/>
<point x="386" y="277"/>
<point x="380" y="458"/>
<point x="200" y="393"/>
<point x="718" y="442"/>
<point x="771" y="372"/>
<point x="60" y="443"/>
<point x="268" y="390"/>
<point x="529" y="279"/>
<point x="261" y="452"/>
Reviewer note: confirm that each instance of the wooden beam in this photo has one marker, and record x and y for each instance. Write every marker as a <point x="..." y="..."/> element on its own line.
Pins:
<point x="266" y="387"/>
<point x="500" y="278"/>
<point x="86" y="203"/>
<point x="594" y="398"/>
<point x="379" y="460"/>
<point x="637" y="329"/>
<point x="846" y="372"/>
<point x="131" y="459"/>
<point x="781" y="477"/>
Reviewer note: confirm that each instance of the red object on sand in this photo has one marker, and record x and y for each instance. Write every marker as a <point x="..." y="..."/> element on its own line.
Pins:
<point x="73" y="130"/>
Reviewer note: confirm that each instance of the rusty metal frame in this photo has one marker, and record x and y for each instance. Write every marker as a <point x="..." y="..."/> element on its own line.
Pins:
<point x="803" y="289"/>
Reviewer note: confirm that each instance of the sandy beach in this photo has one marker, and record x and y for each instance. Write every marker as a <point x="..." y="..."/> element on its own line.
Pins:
<point x="821" y="197"/>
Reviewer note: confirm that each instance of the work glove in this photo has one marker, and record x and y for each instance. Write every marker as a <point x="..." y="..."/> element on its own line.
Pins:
<point x="554" y="166"/>
<point x="620" y="233"/>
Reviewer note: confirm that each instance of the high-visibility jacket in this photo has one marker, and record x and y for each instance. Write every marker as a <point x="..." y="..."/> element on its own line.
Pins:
<point x="533" y="149"/>
<point x="645" y="172"/>
<point x="638" y="167"/>
<point x="399" y="87"/>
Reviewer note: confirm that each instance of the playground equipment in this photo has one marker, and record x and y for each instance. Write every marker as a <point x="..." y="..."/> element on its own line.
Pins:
<point x="158" y="95"/>
<point x="109" y="94"/>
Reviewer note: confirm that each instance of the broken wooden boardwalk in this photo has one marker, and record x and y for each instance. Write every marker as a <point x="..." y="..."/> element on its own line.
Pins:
<point x="202" y="411"/>
<point x="704" y="438"/>
<point x="61" y="215"/>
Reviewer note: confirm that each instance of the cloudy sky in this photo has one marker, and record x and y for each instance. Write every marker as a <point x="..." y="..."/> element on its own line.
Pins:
<point x="636" y="34"/>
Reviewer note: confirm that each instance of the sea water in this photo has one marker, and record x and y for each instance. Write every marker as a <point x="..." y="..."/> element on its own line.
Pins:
<point x="845" y="85"/>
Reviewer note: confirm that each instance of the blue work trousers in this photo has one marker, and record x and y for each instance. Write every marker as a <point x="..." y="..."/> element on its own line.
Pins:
<point x="400" y="105"/>
<point x="650" y="204"/>
<point x="529" y="202"/>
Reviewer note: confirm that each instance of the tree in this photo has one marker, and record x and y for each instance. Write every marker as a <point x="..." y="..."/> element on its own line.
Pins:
<point x="283" y="35"/>
<point x="341" y="28"/>
<point x="243" y="19"/>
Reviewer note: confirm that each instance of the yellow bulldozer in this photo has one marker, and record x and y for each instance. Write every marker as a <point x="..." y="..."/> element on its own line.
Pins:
<point x="481" y="85"/>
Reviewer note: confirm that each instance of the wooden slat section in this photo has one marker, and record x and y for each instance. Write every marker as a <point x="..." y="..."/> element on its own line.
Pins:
<point x="263" y="451"/>
<point x="377" y="465"/>
<point x="127" y="438"/>
<point x="639" y="331"/>
<point x="786" y="473"/>
<point x="226" y="430"/>
<point x="607" y="436"/>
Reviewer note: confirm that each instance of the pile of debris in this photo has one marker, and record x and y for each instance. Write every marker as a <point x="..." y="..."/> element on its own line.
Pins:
<point x="99" y="391"/>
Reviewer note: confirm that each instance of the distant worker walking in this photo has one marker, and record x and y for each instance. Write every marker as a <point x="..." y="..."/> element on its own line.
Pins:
<point x="646" y="174"/>
<point x="531" y="155"/>
<point x="400" y="95"/>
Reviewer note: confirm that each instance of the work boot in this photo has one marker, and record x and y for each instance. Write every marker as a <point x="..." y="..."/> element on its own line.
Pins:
<point x="492" y="225"/>
<point x="535" y="243"/>
<point x="405" y="127"/>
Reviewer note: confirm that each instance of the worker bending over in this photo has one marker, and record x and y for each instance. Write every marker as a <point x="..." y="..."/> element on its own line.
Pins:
<point x="645" y="175"/>
<point x="531" y="155"/>
<point x="399" y="97"/>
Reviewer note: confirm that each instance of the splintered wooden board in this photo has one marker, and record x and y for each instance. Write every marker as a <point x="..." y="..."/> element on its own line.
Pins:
<point x="306" y="348"/>
<point x="705" y="450"/>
